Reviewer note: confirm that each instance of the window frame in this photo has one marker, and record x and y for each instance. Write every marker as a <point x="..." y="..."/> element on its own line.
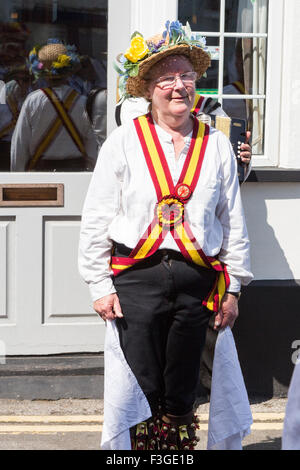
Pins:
<point x="274" y="37"/>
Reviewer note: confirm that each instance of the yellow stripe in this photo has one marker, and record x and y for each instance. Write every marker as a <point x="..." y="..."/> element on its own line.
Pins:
<point x="195" y="155"/>
<point x="215" y="263"/>
<point x="121" y="266"/>
<point x="52" y="132"/>
<point x="148" y="244"/>
<point x="197" y="96"/>
<point x="162" y="180"/>
<point x="67" y="121"/>
<point x="221" y="287"/>
<point x="189" y="246"/>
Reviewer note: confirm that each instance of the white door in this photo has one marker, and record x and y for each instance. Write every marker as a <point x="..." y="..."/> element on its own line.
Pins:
<point x="45" y="307"/>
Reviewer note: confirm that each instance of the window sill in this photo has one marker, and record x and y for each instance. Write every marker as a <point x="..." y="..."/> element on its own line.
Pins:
<point x="274" y="175"/>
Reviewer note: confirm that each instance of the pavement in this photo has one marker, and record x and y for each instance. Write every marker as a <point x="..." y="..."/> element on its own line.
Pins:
<point x="76" y="424"/>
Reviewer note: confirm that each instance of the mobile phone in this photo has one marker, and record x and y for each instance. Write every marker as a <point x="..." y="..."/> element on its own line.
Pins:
<point x="238" y="137"/>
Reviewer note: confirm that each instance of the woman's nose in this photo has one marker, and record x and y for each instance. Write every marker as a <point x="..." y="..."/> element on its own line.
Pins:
<point x="178" y="83"/>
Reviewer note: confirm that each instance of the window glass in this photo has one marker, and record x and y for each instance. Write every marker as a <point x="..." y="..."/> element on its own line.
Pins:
<point x="53" y="56"/>
<point x="209" y="83"/>
<point x="203" y="15"/>
<point x="244" y="74"/>
<point x="236" y="33"/>
<point x="246" y="16"/>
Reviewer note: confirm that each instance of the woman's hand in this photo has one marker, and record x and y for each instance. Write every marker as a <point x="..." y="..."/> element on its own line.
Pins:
<point x="246" y="150"/>
<point x="108" y="307"/>
<point x="228" y="312"/>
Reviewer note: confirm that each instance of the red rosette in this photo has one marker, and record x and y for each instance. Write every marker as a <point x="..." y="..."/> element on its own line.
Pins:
<point x="183" y="191"/>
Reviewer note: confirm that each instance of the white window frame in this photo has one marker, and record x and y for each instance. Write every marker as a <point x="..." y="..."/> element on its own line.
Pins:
<point x="274" y="36"/>
<point x="148" y="17"/>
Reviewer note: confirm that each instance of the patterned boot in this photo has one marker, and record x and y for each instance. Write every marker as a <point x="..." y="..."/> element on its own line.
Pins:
<point x="145" y="435"/>
<point x="179" y="432"/>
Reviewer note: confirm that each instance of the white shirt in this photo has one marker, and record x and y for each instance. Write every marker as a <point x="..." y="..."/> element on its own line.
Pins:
<point x="121" y="200"/>
<point x="35" y="118"/>
<point x="133" y="107"/>
<point x="13" y="89"/>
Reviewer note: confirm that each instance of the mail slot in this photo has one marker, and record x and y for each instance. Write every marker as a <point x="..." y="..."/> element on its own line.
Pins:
<point x="32" y="195"/>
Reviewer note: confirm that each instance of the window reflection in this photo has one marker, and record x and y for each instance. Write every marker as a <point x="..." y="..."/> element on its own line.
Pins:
<point x="246" y="16"/>
<point x="44" y="121"/>
<point x="244" y="70"/>
<point x="203" y="15"/>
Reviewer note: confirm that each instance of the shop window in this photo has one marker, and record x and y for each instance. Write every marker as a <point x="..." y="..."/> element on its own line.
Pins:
<point x="60" y="130"/>
<point x="236" y="32"/>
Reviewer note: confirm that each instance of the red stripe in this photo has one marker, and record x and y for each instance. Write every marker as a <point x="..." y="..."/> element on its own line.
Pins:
<point x="209" y="294"/>
<point x="160" y="153"/>
<point x="201" y="158"/>
<point x="148" y="159"/>
<point x="190" y="152"/>
<point x="198" y="105"/>
<point x="122" y="260"/>
<point x="196" y="244"/>
<point x="181" y="246"/>
<point x="145" y="237"/>
<point x="227" y="278"/>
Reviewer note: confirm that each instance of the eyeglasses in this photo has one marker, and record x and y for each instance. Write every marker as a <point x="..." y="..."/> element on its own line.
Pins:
<point x="168" y="81"/>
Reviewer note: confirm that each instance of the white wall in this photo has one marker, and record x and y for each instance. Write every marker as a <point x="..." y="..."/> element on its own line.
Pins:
<point x="271" y="211"/>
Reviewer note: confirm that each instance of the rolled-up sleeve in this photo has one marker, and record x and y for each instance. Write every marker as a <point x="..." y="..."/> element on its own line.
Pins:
<point x="100" y="207"/>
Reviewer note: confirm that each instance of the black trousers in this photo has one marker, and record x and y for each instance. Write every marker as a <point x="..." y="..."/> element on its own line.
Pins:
<point x="163" y="330"/>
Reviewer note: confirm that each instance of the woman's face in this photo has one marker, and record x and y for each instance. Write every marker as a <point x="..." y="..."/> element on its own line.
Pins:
<point x="178" y="100"/>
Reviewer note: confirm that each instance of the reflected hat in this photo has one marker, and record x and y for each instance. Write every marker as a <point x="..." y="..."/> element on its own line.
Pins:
<point x="143" y="54"/>
<point x="53" y="60"/>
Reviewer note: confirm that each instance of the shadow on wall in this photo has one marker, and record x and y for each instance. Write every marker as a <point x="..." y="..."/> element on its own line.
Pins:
<point x="268" y="327"/>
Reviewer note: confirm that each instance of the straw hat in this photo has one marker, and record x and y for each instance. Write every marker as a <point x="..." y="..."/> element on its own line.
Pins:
<point x="50" y="53"/>
<point x="54" y="60"/>
<point x="144" y="54"/>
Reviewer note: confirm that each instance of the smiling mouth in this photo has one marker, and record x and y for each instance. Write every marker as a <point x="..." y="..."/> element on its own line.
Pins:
<point x="179" y="98"/>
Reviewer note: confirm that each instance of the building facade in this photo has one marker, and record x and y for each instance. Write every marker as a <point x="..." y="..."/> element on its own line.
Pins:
<point x="45" y="307"/>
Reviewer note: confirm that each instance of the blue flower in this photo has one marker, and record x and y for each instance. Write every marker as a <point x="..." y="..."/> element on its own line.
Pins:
<point x="165" y="33"/>
<point x="54" y="41"/>
<point x="176" y="27"/>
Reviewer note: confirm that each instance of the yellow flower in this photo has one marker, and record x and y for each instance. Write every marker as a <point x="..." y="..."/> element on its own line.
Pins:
<point x="63" y="60"/>
<point x="33" y="51"/>
<point x="138" y="49"/>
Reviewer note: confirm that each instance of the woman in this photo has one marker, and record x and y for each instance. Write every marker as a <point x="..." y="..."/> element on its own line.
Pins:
<point x="165" y="197"/>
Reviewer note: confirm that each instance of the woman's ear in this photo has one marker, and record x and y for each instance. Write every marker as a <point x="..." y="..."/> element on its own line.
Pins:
<point x="148" y="90"/>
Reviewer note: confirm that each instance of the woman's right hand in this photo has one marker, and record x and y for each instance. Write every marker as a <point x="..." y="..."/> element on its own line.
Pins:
<point x="108" y="307"/>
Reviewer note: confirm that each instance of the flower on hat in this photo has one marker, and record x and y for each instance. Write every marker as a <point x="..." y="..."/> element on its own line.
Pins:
<point x="63" y="60"/>
<point x="138" y="48"/>
<point x="59" y="66"/>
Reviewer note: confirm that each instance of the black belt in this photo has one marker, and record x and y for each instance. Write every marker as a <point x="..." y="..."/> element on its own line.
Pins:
<point x="122" y="250"/>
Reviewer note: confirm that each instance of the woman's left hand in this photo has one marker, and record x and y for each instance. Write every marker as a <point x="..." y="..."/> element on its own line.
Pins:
<point x="228" y="312"/>
<point x="246" y="150"/>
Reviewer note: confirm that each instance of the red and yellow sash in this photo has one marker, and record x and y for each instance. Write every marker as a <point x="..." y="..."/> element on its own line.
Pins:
<point x="197" y="104"/>
<point x="169" y="210"/>
<point x="62" y="119"/>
